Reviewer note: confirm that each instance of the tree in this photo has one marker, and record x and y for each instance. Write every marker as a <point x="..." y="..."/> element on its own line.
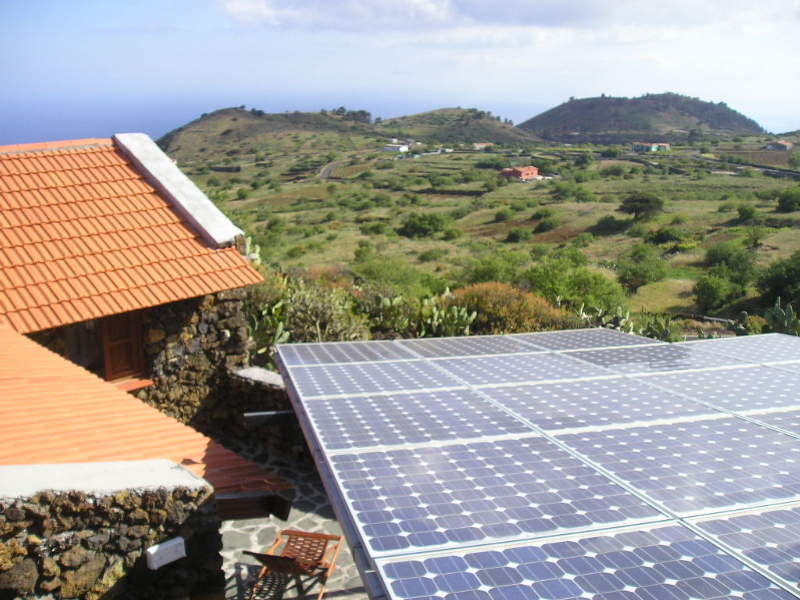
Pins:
<point x="712" y="292"/>
<point x="642" y="205"/>
<point x="423" y="224"/>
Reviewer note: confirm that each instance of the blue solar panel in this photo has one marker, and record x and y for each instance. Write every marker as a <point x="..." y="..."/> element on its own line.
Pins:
<point x="369" y="378"/>
<point x="646" y="359"/>
<point x="585" y="338"/>
<point x="736" y="389"/>
<point x="468" y="493"/>
<point x="342" y="352"/>
<point x="362" y="421"/>
<point x="769" y="538"/>
<point x="467" y="346"/>
<point x="788" y="420"/>
<point x="599" y="402"/>
<point x="771" y="347"/>
<point x="518" y="368"/>
<point x="699" y="467"/>
<point x="664" y="563"/>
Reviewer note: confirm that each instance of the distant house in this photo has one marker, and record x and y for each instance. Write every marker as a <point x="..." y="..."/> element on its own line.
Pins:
<point x="651" y="147"/>
<point x="482" y="145"/>
<point x="521" y="173"/>
<point x="395" y="148"/>
<point x="779" y="145"/>
<point x="113" y="258"/>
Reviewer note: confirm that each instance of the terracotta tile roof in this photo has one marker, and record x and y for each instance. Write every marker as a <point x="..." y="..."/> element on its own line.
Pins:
<point x="54" y="411"/>
<point x="83" y="235"/>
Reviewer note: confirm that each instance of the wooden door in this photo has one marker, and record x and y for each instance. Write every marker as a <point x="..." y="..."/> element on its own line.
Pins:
<point x="123" y="350"/>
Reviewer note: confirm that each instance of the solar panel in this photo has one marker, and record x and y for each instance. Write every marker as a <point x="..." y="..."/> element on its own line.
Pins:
<point x="601" y="402"/>
<point x="772" y="347"/>
<point x="368" y="378"/>
<point x="364" y="421"/>
<point x="738" y="389"/>
<point x="578" y="464"/>
<point x="768" y="538"/>
<point x="646" y="359"/>
<point x="699" y="467"/>
<point x="661" y="563"/>
<point x="427" y="497"/>
<point x="342" y="352"/>
<point x="467" y="346"/>
<point x="584" y="338"/>
<point x="518" y="368"/>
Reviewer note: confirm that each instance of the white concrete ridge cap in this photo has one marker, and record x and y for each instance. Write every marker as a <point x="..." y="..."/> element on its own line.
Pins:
<point x="185" y="197"/>
<point x="96" y="478"/>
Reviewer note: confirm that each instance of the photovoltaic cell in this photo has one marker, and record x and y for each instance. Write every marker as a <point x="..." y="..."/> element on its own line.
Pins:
<point x="518" y="368"/>
<point x="368" y="378"/>
<point x="600" y="402"/>
<point x="341" y="352"/>
<point x="468" y="493"/>
<point x="699" y="467"/>
<point x="585" y="338"/>
<point x="787" y="420"/>
<point x="736" y="389"/>
<point x="362" y="421"/>
<point x="770" y="538"/>
<point x="647" y="359"/>
<point x="467" y="346"/>
<point x="664" y="563"/>
<point x="770" y="347"/>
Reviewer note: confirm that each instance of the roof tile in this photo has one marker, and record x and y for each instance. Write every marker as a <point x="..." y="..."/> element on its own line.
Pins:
<point x="78" y="209"/>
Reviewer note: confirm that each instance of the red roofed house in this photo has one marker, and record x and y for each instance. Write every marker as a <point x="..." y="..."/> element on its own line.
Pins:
<point x="112" y="257"/>
<point x="521" y="173"/>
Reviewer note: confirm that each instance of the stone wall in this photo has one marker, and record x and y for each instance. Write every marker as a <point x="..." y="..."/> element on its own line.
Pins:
<point x="189" y="348"/>
<point x="74" y="544"/>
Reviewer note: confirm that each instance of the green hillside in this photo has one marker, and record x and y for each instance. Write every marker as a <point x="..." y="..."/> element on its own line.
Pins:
<point x="455" y="125"/>
<point x="653" y="117"/>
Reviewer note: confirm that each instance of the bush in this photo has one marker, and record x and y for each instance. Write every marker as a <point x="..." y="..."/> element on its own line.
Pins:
<point x="395" y="276"/>
<point x="432" y="254"/>
<point x="423" y="224"/>
<point x="609" y="224"/>
<point x="642" y="265"/>
<point x="503" y="265"/>
<point x="502" y="308"/>
<point x="732" y="260"/>
<point x="713" y="291"/>
<point x="547" y="224"/>
<point x="560" y="280"/>
<point x="542" y="213"/>
<point x="789" y="200"/>
<point x="504" y="214"/>
<point x="746" y="212"/>
<point x="519" y="234"/>
<point x="782" y="280"/>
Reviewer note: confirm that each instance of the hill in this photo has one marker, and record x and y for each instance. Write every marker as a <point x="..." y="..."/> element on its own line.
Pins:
<point x="653" y="117"/>
<point x="226" y="130"/>
<point x="455" y="125"/>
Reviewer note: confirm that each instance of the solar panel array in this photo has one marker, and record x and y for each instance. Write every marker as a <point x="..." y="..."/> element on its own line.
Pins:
<point x="574" y="464"/>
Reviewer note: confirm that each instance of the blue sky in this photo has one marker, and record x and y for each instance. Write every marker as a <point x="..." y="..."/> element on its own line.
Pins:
<point x="89" y="68"/>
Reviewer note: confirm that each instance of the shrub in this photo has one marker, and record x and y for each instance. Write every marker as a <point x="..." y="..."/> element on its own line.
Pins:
<point x="504" y="214"/>
<point x="713" y="291"/>
<point x="502" y="308"/>
<point x="396" y="276"/>
<point x="519" y="234"/>
<point x="560" y="280"/>
<point x="732" y="260"/>
<point x="547" y="224"/>
<point x="782" y="280"/>
<point x="500" y="265"/>
<point x="609" y="224"/>
<point x="641" y="265"/>
<point x="317" y="313"/>
<point x="789" y="200"/>
<point x="664" y="235"/>
<point x="746" y="212"/>
<point x="542" y="213"/>
<point x="432" y="254"/>
<point x="423" y="224"/>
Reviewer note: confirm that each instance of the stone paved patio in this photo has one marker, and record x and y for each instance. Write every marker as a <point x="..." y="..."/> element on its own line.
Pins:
<point x="311" y="511"/>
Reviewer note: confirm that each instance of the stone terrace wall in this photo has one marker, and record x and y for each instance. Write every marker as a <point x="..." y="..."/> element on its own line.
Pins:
<point x="190" y="347"/>
<point x="80" y="545"/>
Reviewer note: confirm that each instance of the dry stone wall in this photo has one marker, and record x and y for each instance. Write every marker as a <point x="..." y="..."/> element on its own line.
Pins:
<point x="79" y="545"/>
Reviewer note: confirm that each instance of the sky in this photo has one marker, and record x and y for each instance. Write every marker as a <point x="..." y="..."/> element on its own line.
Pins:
<point x="91" y="68"/>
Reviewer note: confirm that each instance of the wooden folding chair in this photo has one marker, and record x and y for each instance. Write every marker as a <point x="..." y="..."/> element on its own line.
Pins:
<point x="307" y="558"/>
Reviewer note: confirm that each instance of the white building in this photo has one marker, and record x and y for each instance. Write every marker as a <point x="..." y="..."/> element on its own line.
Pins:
<point x="395" y="148"/>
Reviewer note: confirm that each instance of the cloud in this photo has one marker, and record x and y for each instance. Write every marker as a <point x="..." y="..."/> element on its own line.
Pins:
<point x="415" y="15"/>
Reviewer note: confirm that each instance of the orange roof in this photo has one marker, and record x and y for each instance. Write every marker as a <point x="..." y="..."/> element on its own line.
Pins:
<point x="54" y="411"/>
<point x="84" y="235"/>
